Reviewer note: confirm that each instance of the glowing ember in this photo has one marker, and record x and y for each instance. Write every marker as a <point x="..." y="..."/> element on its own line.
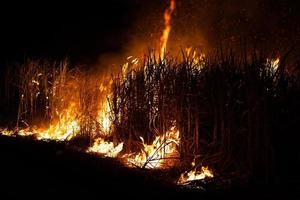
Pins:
<point x="192" y="175"/>
<point x="106" y="148"/>
<point x="160" y="154"/>
<point x="165" y="36"/>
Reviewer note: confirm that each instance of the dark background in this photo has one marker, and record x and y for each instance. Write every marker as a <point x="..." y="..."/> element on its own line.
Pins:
<point x="84" y="31"/>
<point x="56" y="29"/>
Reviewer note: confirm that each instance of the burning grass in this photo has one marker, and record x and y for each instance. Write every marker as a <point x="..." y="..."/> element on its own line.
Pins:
<point x="225" y="113"/>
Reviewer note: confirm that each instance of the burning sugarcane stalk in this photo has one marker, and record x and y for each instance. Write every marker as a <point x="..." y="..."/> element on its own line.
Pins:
<point x="160" y="113"/>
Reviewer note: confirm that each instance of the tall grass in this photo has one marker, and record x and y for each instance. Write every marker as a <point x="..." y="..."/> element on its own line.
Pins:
<point x="46" y="90"/>
<point x="229" y="111"/>
<point x="234" y="113"/>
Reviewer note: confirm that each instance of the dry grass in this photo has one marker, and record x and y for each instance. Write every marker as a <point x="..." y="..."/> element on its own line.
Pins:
<point x="233" y="114"/>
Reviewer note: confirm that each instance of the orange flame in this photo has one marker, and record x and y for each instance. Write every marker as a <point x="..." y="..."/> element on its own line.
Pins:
<point x="106" y="148"/>
<point x="65" y="128"/>
<point x="104" y="108"/>
<point x="165" y="36"/>
<point x="6" y="132"/>
<point x="192" y="175"/>
<point x="160" y="154"/>
<point x="273" y="63"/>
<point x="195" y="58"/>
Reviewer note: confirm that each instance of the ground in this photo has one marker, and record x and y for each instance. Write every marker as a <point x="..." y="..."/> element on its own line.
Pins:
<point x="48" y="169"/>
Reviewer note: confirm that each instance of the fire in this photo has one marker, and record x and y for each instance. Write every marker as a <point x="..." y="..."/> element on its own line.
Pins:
<point x="274" y="63"/>
<point x="6" y="132"/>
<point x="106" y="148"/>
<point x="100" y="145"/>
<point x="196" y="58"/>
<point x="160" y="154"/>
<point x="104" y="118"/>
<point x="192" y="175"/>
<point x="64" y="129"/>
<point x="165" y="36"/>
<point x="104" y="110"/>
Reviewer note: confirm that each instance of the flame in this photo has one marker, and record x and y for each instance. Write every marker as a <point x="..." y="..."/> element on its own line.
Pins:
<point x="196" y="58"/>
<point x="165" y="36"/>
<point x="192" y="175"/>
<point x="104" y="118"/>
<point x="106" y="148"/>
<point x="100" y="145"/>
<point x="274" y="63"/>
<point x="64" y="129"/>
<point x="159" y="154"/>
<point x="6" y="132"/>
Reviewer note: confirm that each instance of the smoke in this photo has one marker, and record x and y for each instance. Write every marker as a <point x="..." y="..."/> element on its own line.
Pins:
<point x="269" y="25"/>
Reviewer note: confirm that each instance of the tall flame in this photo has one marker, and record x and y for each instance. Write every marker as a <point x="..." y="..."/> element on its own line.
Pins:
<point x="104" y="108"/>
<point x="165" y="36"/>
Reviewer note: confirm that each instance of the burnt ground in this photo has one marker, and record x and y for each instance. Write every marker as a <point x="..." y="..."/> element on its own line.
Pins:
<point x="49" y="169"/>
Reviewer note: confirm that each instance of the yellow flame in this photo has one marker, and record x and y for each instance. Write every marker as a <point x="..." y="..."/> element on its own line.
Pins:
<point x="274" y="63"/>
<point x="192" y="175"/>
<point x="64" y="129"/>
<point x="196" y="58"/>
<point x="6" y="132"/>
<point x="104" y="118"/>
<point x="104" y="110"/>
<point x="165" y="36"/>
<point x="159" y="154"/>
<point x="106" y="148"/>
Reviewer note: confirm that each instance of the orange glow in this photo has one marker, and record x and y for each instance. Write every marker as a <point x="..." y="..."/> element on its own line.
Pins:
<point x="71" y="109"/>
<point x="165" y="36"/>
<point x="160" y="154"/>
<point x="104" y="117"/>
<point x="196" y="58"/>
<point x="273" y="63"/>
<point x="66" y="127"/>
<point x="105" y="148"/>
<point x="194" y="174"/>
<point x="6" y="132"/>
<point x="104" y="111"/>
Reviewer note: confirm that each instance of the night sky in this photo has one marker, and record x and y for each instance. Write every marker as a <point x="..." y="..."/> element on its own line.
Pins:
<point x="60" y="29"/>
<point x="85" y="31"/>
